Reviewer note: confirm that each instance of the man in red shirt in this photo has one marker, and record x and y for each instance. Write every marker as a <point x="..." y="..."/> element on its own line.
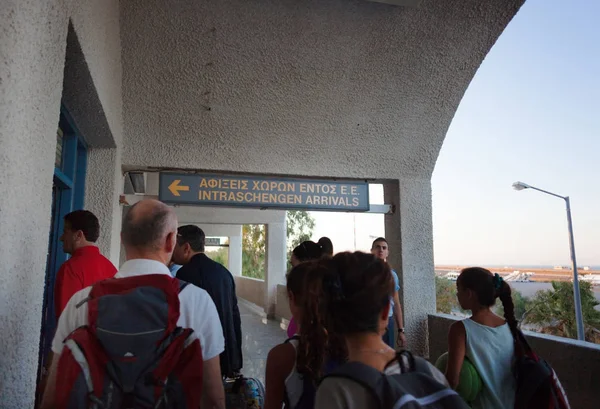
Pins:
<point x="86" y="265"/>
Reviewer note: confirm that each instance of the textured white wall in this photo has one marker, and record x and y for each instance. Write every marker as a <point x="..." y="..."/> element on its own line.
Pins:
<point x="96" y="23"/>
<point x="32" y="49"/>
<point x="33" y="37"/>
<point x="334" y="88"/>
<point x="104" y="183"/>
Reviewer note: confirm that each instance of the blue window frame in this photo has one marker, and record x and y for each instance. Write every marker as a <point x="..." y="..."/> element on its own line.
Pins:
<point x="68" y="193"/>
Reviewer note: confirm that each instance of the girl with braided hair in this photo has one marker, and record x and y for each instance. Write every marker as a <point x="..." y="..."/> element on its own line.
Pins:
<point x="295" y="367"/>
<point x="485" y="338"/>
<point x="355" y="296"/>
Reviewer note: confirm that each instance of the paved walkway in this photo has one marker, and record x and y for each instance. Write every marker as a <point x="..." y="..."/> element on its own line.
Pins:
<point x="259" y="336"/>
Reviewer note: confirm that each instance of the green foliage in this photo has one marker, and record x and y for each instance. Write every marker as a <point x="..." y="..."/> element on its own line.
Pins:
<point x="253" y="251"/>
<point x="300" y="226"/>
<point x="445" y="295"/>
<point x="554" y="310"/>
<point x="221" y="256"/>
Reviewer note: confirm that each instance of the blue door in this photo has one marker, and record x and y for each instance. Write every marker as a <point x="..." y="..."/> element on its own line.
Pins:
<point x="67" y="195"/>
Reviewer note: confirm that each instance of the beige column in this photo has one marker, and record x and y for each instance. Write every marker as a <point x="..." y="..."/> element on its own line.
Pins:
<point x="410" y="236"/>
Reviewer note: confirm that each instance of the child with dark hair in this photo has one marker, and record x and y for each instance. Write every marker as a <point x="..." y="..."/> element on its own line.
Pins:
<point x="485" y="338"/>
<point x="295" y="367"/>
<point x="306" y="251"/>
<point x="354" y="292"/>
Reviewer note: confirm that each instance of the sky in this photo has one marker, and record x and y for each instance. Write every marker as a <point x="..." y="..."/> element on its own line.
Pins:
<point x="531" y="113"/>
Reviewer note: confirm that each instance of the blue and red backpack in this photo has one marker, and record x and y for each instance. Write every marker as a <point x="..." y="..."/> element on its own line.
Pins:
<point x="131" y="354"/>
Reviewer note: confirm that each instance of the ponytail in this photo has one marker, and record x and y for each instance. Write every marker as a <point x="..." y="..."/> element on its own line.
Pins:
<point x="505" y="295"/>
<point x="316" y="342"/>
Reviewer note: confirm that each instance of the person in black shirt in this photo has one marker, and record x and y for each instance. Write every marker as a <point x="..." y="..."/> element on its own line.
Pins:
<point x="218" y="282"/>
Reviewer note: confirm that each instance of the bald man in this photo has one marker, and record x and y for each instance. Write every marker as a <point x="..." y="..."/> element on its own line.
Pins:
<point x="148" y="234"/>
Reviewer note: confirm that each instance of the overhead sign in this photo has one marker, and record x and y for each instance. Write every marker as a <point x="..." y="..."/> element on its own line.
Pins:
<point x="263" y="192"/>
<point x="212" y="241"/>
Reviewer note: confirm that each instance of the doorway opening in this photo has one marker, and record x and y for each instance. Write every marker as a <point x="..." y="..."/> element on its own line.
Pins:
<point x="68" y="190"/>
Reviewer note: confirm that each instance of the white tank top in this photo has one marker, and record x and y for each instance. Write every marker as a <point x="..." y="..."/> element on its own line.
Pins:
<point x="491" y="350"/>
<point x="294" y="384"/>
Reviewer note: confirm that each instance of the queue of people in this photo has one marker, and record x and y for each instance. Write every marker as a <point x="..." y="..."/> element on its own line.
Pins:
<point x="165" y="330"/>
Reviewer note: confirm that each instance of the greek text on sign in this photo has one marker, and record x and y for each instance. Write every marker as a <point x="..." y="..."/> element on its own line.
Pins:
<point x="263" y="192"/>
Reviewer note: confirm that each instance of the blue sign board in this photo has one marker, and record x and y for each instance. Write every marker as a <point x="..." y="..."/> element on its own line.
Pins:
<point x="263" y="192"/>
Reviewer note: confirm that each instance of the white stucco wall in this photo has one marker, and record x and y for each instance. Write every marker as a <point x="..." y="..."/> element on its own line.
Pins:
<point x="343" y="88"/>
<point x="33" y="37"/>
<point x="32" y="52"/>
<point x="97" y="26"/>
<point x="103" y="186"/>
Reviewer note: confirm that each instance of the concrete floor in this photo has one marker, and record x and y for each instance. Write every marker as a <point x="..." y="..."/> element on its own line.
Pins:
<point x="260" y="335"/>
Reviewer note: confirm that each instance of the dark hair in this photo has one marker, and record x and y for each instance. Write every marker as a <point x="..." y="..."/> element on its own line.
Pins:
<point x="326" y="246"/>
<point x="85" y="221"/>
<point x="377" y="240"/>
<point x="193" y="235"/>
<point x="308" y="250"/>
<point x="353" y="288"/>
<point x="488" y="287"/>
<point x="315" y="342"/>
<point x="295" y="279"/>
<point x="144" y="231"/>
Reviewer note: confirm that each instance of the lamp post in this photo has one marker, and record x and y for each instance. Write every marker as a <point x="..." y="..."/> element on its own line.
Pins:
<point x="576" y="293"/>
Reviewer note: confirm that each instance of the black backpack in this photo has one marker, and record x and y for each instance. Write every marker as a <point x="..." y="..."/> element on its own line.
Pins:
<point x="415" y="387"/>
<point x="538" y="386"/>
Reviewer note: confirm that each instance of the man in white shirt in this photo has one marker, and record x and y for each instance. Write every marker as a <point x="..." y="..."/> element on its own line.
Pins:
<point x="149" y="234"/>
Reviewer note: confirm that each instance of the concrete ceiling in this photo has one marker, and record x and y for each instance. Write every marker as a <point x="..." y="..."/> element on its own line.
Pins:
<point x="340" y="88"/>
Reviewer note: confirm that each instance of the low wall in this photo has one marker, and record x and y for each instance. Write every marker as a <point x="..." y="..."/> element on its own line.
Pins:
<point x="251" y="289"/>
<point x="282" y="309"/>
<point x="576" y="363"/>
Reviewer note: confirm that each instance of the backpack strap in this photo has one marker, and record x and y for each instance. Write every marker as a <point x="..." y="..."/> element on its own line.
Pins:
<point x="294" y="338"/>
<point x="182" y="284"/>
<point x="367" y="376"/>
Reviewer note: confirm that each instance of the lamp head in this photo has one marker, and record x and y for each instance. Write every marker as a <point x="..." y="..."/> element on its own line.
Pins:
<point x="520" y="186"/>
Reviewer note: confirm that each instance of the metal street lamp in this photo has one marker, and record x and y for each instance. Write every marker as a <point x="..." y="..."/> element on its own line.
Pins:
<point x="576" y="293"/>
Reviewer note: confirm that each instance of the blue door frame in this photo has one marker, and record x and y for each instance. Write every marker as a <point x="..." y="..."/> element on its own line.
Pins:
<point x="68" y="193"/>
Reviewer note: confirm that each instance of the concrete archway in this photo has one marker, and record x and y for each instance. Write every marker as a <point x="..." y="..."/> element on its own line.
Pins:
<point x="335" y="88"/>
